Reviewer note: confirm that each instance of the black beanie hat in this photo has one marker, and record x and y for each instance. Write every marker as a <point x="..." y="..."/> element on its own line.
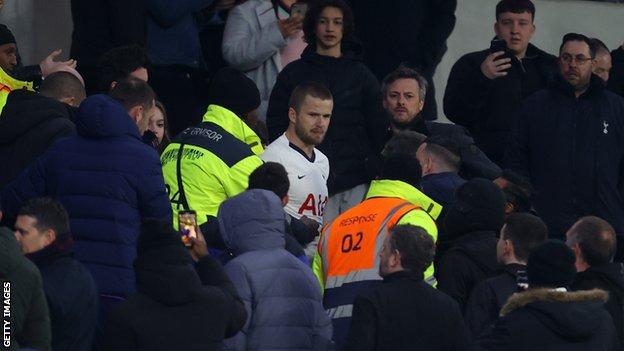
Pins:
<point x="160" y="235"/>
<point x="479" y="206"/>
<point x="6" y="36"/>
<point x="551" y="265"/>
<point x="234" y="91"/>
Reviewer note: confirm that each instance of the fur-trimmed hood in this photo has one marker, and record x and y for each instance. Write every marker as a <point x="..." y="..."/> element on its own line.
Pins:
<point x="571" y="315"/>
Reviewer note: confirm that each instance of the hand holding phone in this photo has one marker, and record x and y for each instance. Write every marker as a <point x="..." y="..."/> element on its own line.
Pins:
<point x="498" y="61"/>
<point x="187" y="224"/>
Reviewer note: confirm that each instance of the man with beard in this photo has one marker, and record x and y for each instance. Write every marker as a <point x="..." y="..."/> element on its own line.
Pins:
<point x="309" y="113"/>
<point x="569" y="142"/>
<point x="404" y="91"/>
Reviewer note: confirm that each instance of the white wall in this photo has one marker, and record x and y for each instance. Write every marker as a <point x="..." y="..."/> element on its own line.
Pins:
<point x="553" y="19"/>
<point x="39" y="26"/>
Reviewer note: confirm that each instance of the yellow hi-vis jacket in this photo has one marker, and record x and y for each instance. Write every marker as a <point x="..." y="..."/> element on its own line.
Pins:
<point x="212" y="161"/>
<point x="337" y="258"/>
<point x="8" y="84"/>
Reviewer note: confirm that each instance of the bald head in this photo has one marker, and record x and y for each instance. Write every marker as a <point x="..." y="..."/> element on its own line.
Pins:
<point x="64" y="87"/>
<point x="603" y="59"/>
<point x="595" y="239"/>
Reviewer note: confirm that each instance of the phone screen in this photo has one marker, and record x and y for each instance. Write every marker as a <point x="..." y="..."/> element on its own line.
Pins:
<point x="299" y="9"/>
<point x="187" y="222"/>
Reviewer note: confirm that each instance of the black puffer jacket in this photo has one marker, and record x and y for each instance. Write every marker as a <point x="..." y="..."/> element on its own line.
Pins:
<point x="29" y="124"/>
<point x="470" y="260"/>
<point x="358" y="125"/>
<point x="488" y="107"/>
<point x="610" y="278"/>
<point x="178" y="307"/>
<point x="544" y="319"/>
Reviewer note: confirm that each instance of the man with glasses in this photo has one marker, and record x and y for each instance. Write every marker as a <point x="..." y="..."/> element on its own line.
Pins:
<point x="569" y="141"/>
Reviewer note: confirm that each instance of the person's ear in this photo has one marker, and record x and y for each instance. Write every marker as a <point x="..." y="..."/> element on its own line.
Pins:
<point x="292" y="115"/>
<point x="285" y="200"/>
<point x="497" y="30"/>
<point x="421" y="105"/>
<point x="49" y="236"/>
<point x="69" y="100"/>
<point x="509" y="208"/>
<point x="395" y="259"/>
<point x="112" y="85"/>
<point x="136" y="113"/>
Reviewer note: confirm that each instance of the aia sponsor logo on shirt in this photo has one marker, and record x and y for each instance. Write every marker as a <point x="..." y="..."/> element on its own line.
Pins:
<point x="314" y="205"/>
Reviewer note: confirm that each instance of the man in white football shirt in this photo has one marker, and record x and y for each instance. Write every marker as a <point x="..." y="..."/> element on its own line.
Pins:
<point x="309" y="113"/>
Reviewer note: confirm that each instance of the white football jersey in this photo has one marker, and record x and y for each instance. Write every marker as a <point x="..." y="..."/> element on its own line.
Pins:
<point x="308" y="178"/>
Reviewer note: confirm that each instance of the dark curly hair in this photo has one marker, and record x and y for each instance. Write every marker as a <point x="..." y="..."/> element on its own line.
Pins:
<point x="313" y="14"/>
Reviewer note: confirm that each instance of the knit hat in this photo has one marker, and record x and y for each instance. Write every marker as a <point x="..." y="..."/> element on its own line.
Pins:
<point x="160" y="235"/>
<point x="6" y="36"/>
<point x="479" y="206"/>
<point x="234" y="91"/>
<point x="551" y="265"/>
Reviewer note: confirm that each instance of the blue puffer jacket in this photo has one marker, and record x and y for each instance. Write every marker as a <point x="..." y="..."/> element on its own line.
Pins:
<point x="108" y="180"/>
<point x="281" y="295"/>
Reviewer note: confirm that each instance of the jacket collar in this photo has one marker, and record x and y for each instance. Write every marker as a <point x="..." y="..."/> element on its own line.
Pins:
<point x="519" y="300"/>
<point x="403" y="275"/>
<point x="596" y="87"/>
<point x="234" y="125"/>
<point x="51" y="253"/>
<point x="402" y="190"/>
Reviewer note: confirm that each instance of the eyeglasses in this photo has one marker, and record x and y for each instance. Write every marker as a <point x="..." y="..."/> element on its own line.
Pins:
<point x="580" y="59"/>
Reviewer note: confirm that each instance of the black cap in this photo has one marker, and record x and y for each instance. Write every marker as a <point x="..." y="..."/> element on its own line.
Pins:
<point x="234" y="91"/>
<point x="551" y="265"/>
<point x="479" y="206"/>
<point x="6" y="36"/>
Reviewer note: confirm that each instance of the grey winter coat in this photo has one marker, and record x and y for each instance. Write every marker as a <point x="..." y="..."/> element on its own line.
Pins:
<point x="252" y="43"/>
<point x="281" y="295"/>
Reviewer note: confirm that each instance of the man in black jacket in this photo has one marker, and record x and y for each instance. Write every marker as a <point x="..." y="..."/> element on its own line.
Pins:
<point x="404" y="91"/>
<point x="471" y="224"/>
<point x="405" y="313"/>
<point x="593" y="241"/>
<point x="520" y="235"/>
<point x="31" y="122"/>
<point x="547" y="316"/>
<point x="409" y="32"/>
<point x="179" y="306"/>
<point x="616" y="78"/>
<point x="42" y="230"/>
<point x="29" y="322"/>
<point x="485" y="88"/>
<point x="358" y="127"/>
<point x="569" y="142"/>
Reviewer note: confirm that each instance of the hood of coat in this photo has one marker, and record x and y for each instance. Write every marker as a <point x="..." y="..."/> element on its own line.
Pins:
<point x="167" y="275"/>
<point x="253" y="220"/>
<point x="99" y="116"/>
<point x="571" y="315"/>
<point x="25" y="110"/>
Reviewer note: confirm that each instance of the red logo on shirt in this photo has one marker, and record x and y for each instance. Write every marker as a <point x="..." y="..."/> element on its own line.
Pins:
<point x="313" y="205"/>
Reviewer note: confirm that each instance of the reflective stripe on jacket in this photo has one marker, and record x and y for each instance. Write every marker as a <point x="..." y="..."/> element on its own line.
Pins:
<point x="8" y="84"/>
<point x="217" y="157"/>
